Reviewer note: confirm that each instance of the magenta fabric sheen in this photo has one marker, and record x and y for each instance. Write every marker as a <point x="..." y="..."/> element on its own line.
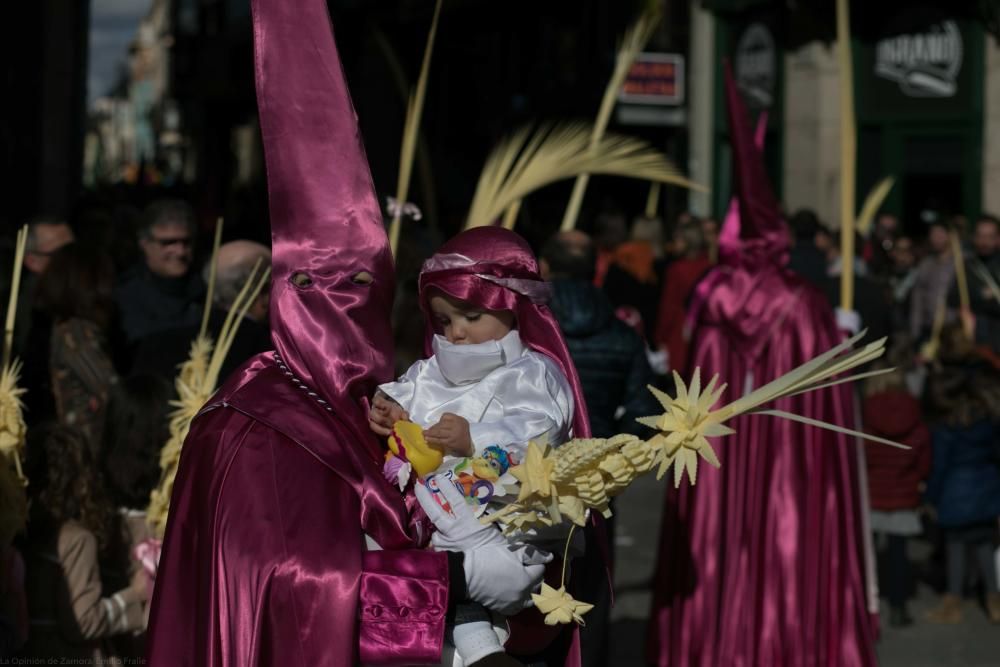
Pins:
<point x="264" y="560"/>
<point x="325" y="218"/>
<point x="761" y="562"/>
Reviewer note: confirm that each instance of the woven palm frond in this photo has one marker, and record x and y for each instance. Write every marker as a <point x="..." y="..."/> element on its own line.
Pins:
<point x="562" y="483"/>
<point x="528" y="161"/>
<point x="13" y="430"/>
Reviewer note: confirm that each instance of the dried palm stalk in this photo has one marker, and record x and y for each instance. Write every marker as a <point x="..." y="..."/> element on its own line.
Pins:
<point x="633" y="41"/>
<point x="528" y="161"/>
<point x="13" y="431"/>
<point x="848" y="154"/>
<point x="873" y="202"/>
<point x="213" y="268"/>
<point x="12" y="427"/>
<point x="197" y="380"/>
<point x="414" y="111"/>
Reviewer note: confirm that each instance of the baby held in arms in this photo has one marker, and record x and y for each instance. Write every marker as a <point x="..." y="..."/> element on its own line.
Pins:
<point x="480" y="398"/>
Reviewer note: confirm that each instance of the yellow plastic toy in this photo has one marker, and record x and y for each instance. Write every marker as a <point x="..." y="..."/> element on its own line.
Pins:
<point x="407" y="442"/>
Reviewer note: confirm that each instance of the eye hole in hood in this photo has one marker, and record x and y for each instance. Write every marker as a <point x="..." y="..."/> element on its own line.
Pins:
<point x="301" y="280"/>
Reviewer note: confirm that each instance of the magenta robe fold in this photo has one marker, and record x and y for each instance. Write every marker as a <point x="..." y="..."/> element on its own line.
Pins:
<point x="264" y="559"/>
<point x="761" y="562"/>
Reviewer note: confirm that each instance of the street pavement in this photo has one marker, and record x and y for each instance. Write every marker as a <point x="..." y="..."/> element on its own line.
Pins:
<point x="973" y="643"/>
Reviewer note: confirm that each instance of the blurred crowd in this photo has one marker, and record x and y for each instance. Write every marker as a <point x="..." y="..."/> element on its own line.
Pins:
<point x="101" y="328"/>
<point x="108" y="310"/>
<point x="942" y="399"/>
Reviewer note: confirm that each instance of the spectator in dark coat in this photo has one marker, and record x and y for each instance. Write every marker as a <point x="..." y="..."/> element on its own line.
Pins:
<point x="964" y="486"/>
<point x="894" y="477"/>
<point x="160" y="354"/>
<point x="163" y="292"/>
<point x="33" y="328"/>
<point x="902" y="278"/>
<point x="611" y="361"/>
<point x="805" y="258"/>
<point x="981" y="268"/>
<point x="877" y="248"/>
<point x="871" y="300"/>
<point x="609" y="356"/>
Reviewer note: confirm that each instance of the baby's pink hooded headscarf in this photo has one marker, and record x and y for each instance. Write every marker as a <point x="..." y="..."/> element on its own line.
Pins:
<point x="494" y="268"/>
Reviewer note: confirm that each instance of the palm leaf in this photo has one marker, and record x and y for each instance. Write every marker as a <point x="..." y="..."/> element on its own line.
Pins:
<point x="632" y="43"/>
<point x="873" y="202"/>
<point x="212" y="270"/>
<point x="528" y="161"/>
<point x="196" y="381"/>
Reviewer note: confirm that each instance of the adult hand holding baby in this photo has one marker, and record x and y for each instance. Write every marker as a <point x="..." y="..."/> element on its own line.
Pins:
<point x="384" y="413"/>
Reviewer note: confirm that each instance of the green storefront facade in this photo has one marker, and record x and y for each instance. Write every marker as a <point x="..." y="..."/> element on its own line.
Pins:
<point x="919" y="77"/>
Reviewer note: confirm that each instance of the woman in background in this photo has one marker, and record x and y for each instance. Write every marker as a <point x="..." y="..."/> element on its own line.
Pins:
<point x="71" y="534"/>
<point x="76" y="292"/>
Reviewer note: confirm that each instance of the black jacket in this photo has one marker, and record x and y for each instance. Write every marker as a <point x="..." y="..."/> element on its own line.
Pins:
<point x="161" y="353"/>
<point x="982" y="301"/>
<point x="148" y="304"/>
<point x="609" y="357"/>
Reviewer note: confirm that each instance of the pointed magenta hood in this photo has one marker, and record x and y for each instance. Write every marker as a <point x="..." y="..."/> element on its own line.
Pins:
<point x="756" y="226"/>
<point x="331" y="330"/>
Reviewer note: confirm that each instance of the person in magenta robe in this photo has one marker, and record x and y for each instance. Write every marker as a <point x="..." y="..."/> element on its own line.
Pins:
<point x="285" y="545"/>
<point x="761" y="562"/>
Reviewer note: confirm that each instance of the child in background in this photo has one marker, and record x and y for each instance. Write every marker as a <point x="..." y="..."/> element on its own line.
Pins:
<point x="894" y="477"/>
<point x="71" y="530"/>
<point x="964" y="487"/>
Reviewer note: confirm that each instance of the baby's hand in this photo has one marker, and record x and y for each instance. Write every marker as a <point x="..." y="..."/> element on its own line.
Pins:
<point x="452" y="435"/>
<point x="384" y="414"/>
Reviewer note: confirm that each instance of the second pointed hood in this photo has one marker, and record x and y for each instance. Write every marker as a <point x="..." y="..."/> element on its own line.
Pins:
<point x="761" y="226"/>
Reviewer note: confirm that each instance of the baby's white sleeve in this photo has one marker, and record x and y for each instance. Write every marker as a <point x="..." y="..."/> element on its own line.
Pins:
<point x="537" y="405"/>
<point x="405" y="388"/>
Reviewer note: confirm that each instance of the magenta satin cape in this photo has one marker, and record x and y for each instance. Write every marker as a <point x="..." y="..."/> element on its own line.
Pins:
<point x="264" y="559"/>
<point x="761" y="562"/>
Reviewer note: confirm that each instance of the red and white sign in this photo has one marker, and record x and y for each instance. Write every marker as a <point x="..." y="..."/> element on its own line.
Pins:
<point x="655" y="78"/>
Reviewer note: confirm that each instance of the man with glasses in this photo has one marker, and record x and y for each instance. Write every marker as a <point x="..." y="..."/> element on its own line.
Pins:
<point x="161" y="353"/>
<point x="162" y="292"/>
